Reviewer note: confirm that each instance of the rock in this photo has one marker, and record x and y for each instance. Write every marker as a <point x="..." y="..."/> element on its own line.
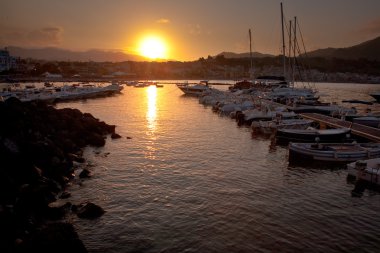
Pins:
<point x="90" y="211"/>
<point x="65" y="195"/>
<point x="129" y="137"/>
<point x="56" y="237"/>
<point x="115" y="136"/>
<point x="85" y="173"/>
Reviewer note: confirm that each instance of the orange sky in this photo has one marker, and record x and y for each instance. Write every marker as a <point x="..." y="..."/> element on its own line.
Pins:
<point x="191" y="29"/>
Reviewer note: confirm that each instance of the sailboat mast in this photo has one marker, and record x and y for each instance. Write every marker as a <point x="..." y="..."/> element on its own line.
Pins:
<point x="250" y="52"/>
<point x="294" y="47"/>
<point x="283" y="40"/>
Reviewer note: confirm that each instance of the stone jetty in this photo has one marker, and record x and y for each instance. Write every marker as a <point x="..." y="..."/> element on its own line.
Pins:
<point x="38" y="146"/>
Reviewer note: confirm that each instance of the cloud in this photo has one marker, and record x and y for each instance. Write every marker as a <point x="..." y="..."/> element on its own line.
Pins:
<point x="46" y="36"/>
<point x="371" y="28"/>
<point x="163" y="21"/>
<point x="194" y="29"/>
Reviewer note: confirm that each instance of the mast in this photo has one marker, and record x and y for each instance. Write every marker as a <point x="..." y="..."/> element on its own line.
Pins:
<point x="294" y="48"/>
<point x="250" y="53"/>
<point x="283" y="39"/>
<point x="290" y="68"/>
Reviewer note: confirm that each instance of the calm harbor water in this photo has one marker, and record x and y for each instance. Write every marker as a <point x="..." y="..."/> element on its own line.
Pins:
<point x="189" y="180"/>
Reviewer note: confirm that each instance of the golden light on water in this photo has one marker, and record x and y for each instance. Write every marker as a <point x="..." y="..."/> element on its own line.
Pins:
<point x="151" y="113"/>
<point x="153" y="47"/>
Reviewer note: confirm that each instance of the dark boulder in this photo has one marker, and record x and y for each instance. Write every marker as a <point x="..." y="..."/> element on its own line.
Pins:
<point x="90" y="211"/>
<point x="56" y="237"/>
<point x="115" y="136"/>
<point x="85" y="173"/>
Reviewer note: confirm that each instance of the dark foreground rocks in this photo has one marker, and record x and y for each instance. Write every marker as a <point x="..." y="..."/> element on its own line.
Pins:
<point x="38" y="145"/>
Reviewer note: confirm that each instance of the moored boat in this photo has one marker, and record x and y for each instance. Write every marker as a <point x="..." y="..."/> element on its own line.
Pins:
<point x="333" y="152"/>
<point x="371" y="121"/>
<point x="284" y="136"/>
<point x="367" y="170"/>
<point x="376" y="95"/>
<point x="270" y="127"/>
<point x="194" y="89"/>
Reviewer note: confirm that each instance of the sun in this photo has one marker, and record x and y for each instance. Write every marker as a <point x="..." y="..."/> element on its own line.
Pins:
<point x="153" y="48"/>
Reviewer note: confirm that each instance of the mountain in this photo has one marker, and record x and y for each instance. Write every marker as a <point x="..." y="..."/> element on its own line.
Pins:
<point x="244" y="55"/>
<point x="368" y="50"/>
<point x="58" y="54"/>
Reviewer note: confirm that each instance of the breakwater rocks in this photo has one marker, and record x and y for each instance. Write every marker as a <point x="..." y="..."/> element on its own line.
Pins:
<point x="38" y="147"/>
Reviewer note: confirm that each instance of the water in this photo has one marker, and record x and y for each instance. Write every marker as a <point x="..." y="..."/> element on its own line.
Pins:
<point x="189" y="180"/>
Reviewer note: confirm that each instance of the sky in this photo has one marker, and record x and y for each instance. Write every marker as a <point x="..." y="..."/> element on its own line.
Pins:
<point x="190" y="28"/>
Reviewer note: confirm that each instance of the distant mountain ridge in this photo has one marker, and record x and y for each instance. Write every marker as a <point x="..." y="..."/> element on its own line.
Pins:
<point x="369" y="50"/>
<point x="58" y="54"/>
<point x="244" y="55"/>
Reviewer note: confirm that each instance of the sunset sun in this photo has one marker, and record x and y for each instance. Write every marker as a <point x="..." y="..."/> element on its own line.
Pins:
<point x="153" y="48"/>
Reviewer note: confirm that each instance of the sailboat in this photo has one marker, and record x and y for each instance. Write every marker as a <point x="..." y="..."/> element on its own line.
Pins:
<point x="244" y="84"/>
<point x="285" y="91"/>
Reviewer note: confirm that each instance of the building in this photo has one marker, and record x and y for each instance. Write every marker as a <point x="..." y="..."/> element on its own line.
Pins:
<point x="6" y="60"/>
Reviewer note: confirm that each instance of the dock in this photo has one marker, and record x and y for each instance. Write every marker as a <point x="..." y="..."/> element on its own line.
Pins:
<point x="369" y="133"/>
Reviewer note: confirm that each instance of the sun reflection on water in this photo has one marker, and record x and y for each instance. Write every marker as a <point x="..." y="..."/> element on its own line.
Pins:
<point x="151" y="113"/>
<point x="151" y="116"/>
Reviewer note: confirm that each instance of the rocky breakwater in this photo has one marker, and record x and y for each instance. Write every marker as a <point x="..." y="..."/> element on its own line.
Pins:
<point x="38" y="147"/>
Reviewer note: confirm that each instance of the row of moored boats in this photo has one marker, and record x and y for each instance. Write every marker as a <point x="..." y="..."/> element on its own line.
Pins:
<point x="269" y="106"/>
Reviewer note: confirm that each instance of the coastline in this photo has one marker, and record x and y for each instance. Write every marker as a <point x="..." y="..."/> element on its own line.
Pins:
<point x="39" y="148"/>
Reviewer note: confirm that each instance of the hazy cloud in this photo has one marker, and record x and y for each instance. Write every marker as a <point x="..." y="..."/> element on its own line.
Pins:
<point x="47" y="36"/>
<point x="372" y="27"/>
<point x="163" y="21"/>
<point x="194" y="29"/>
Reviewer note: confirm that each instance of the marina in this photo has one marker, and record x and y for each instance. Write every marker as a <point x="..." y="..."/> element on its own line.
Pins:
<point x="189" y="127"/>
<point x="186" y="169"/>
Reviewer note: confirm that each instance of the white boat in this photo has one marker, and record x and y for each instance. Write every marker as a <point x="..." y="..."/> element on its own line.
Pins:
<point x="270" y="127"/>
<point x="66" y="92"/>
<point x="194" y="89"/>
<point x="338" y="135"/>
<point x="333" y="152"/>
<point x="367" y="170"/>
<point x="263" y="113"/>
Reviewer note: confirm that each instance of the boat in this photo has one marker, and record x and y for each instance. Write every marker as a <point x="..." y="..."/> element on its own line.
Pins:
<point x="367" y="170"/>
<point x="241" y="85"/>
<point x="271" y="82"/>
<point x="284" y="136"/>
<point x="264" y="113"/>
<point x="65" y="92"/>
<point x="141" y="84"/>
<point x="270" y="127"/>
<point x="376" y="95"/>
<point x="333" y="152"/>
<point x="371" y="121"/>
<point x="194" y="89"/>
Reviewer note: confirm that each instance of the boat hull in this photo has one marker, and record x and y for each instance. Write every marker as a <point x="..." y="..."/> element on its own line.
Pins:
<point x="332" y="152"/>
<point x="284" y="136"/>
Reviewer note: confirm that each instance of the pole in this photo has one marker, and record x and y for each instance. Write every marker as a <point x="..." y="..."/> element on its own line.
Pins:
<point x="250" y="53"/>
<point x="283" y="40"/>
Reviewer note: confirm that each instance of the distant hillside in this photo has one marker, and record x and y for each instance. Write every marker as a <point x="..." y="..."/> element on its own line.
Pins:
<point x="367" y="50"/>
<point x="244" y="55"/>
<point x="57" y="54"/>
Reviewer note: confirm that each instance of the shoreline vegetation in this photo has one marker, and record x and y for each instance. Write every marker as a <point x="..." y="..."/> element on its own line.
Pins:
<point x="41" y="149"/>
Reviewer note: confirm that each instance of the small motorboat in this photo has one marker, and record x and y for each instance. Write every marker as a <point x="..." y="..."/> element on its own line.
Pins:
<point x="270" y="127"/>
<point x="367" y="170"/>
<point x="339" y="135"/>
<point x="333" y="152"/>
<point x="371" y="121"/>
<point x="194" y="89"/>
